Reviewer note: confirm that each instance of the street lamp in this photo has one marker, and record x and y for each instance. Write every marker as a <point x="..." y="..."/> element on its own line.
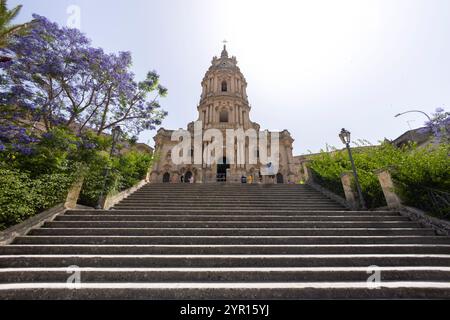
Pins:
<point x="116" y="133"/>
<point x="411" y="111"/>
<point x="345" y="138"/>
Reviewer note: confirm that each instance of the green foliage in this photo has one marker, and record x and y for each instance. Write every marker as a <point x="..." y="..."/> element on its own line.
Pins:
<point x="414" y="169"/>
<point x="421" y="171"/>
<point x="124" y="172"/>
<point x="38" y="181"/>
<point x="132" y="167"/>
<point x="22" y="196"/>
<point x="7" y="29"/>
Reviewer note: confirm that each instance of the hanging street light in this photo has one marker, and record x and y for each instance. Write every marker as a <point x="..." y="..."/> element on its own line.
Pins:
<point x="415" y="111"/>
<point x="345" y="136"/>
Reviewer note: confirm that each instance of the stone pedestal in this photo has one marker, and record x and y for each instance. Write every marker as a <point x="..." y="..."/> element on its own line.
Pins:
<point x="154" y="177"/>
<point x="307" y="174"/>
<point x="74" y="193"/>
<point x="350" y="194"/>
<point x="387" y="185"/>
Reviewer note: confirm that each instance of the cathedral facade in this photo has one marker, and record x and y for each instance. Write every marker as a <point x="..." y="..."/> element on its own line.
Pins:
<point x="223" y="106"/>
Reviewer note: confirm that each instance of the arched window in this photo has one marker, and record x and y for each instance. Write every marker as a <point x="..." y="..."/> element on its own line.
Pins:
<point x="224" y="86"/>
<point x="224" y="116"/>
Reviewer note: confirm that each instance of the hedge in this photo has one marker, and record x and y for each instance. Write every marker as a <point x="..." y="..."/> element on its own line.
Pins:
<point x="414" y="169"/>
<point x="22" y="197"/>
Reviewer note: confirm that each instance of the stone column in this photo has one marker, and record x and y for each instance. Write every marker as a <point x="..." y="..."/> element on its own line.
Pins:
<point x="210" y="114"/>
<point x="350" y="194"/>
<point x="176" y="178"/>
<point x="200" y="176"/>
<point x="392" y="199"/>
<point x="74" y="193"/>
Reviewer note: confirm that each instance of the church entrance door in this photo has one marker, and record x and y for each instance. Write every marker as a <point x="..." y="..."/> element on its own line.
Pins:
<point x="222" y="170"/>
<point x="280" y="179"/>
<point x="187" y="177"/>
<point x="166" y="177"/>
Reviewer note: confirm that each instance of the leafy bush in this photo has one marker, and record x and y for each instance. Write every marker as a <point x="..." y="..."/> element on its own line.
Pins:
<point x="413" y="169"/>
<point x="421" y="171"/>
<point x="132" y="167"/>
<point x="21" y="196"/>
<point x="125" y="171"/>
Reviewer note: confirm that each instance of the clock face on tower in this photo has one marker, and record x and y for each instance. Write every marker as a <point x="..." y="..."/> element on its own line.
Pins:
<point x="225" y="64"/>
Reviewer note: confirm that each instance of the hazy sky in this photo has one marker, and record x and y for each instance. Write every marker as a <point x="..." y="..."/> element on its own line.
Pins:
<point x="312" y="67"/>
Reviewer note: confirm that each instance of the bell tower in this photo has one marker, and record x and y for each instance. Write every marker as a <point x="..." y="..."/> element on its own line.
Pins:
<point x="224" y="102"/>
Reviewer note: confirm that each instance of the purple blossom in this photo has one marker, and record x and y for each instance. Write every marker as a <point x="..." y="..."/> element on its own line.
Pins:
<point x="439" y="125"/>
<point x="57" y="76"/>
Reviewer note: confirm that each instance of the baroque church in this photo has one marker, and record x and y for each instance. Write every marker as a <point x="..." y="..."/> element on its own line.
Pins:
<point x="223" y="105"/>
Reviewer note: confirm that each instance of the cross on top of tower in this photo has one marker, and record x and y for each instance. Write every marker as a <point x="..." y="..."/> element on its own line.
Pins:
<point x="224" y="52"/>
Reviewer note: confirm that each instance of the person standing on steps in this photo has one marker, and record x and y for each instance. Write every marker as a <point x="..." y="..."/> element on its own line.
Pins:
<point x="191" y="180"/>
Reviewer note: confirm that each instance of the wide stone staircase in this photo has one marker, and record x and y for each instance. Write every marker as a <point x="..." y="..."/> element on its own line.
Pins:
<point x="219" y="241"/>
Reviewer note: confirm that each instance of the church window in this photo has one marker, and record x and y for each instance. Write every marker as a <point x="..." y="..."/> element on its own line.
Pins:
<point x="224" y="86"/>
<point x="224" y="116"/>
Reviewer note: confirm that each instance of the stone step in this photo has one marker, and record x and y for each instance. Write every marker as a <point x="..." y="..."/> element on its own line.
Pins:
<point x="221" y="186"/>
<point x="214" y="206"/>
<point x="229" y="240"/>
<point x="222" y="261"/>
<point x="225" y="209"/>
<point x="226" y="249"/>
<point x="158" y="275"/>
<point x="257" y="195"/>
<point x="228" y="224"/>
<point x="227" y="291"/>
<point x="228" y="193"/>
<point x="230" y="218"/>
<point x="268" y="213"/>
<point x="243" y="195"/>
<point x="217" y="201"/>
<point x="231" y="232"/>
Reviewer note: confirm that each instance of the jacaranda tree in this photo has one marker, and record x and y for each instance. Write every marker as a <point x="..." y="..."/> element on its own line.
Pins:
<point x="58" y="79"/>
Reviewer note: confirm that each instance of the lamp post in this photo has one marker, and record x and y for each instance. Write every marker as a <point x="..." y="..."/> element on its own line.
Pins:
<point x="116" y="133"/>
<point x="345" y="137"/>
<point x="411" y="111"/>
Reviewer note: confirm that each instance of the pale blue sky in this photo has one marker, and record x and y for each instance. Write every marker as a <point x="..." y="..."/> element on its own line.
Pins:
<point x="312" y="67"/>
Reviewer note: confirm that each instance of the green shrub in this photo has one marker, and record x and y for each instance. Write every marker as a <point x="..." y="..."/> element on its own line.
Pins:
<point x="37" y="181"/>
<point x="413" y="169"/>
<point x="21" y="197"/>
<point x="132" y="168"/>
<point x="125" y="171"/>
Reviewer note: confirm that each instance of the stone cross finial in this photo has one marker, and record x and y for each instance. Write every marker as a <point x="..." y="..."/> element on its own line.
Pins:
<point x="224" y="52"/>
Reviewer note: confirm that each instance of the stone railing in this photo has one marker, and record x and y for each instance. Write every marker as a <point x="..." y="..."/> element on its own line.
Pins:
<point x="114" y="198"/>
